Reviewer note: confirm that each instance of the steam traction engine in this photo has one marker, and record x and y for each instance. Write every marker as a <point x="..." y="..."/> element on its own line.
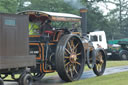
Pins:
<point x="63" y="50"/>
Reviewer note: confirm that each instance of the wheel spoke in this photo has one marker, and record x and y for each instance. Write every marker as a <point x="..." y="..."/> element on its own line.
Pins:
<point x="64" y="61"/>
<point x="99" y="54"/>
<point x="67" y="64"/>
<point x="77" y="63"/>
<point x="100" y="58"/>
<point x="67" y="50"/>
<point x="72" y="43"/>
<point x="67" y="57"/>
<point x="75" y="46"/>
<point x="99" y="67"/>
<point x="67" y="68"/>
<point x="78" y="54"/>
<point x="74" y="68"/>
<point x="70" y="47"/>
<point x="71" y="71"/>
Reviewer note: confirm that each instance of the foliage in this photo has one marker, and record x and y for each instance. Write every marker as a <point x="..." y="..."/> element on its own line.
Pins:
<point x="115" y="24"/>
<point x="50" y="5"/>
<point x="120" y="14"/>
<point x="8" y="6"/>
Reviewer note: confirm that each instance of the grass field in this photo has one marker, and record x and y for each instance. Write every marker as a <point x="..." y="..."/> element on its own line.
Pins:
<point x="112" y="64"/>
<point x="116" y="63"/>
<point x="113" y="79"/>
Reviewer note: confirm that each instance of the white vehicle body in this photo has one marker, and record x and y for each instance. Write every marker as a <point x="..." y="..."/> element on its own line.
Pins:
<point x="98" y="39"/>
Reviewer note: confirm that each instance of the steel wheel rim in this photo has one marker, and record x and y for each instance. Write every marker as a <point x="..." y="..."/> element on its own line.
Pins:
<point x="73" y="57"/>
<point x="99" y="62"/>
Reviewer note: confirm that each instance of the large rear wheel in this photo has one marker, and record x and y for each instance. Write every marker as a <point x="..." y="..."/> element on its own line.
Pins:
<point x="100" y="64"/>
<point x="70" y="58"/>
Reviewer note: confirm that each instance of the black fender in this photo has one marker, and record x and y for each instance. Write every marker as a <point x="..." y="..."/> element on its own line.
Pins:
<point x="91" y="53"/>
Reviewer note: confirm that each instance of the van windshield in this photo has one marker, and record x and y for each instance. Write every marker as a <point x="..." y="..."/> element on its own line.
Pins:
<point x="94" y="38"/>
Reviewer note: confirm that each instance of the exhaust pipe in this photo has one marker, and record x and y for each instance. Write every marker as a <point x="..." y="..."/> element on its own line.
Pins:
<point x="83" y="14"/>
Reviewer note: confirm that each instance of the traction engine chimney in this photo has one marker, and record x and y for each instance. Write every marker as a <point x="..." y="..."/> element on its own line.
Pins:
<point x="83" y="14"/>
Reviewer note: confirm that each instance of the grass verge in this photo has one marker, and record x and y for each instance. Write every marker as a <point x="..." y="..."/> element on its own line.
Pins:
<point x="113" y="79"/>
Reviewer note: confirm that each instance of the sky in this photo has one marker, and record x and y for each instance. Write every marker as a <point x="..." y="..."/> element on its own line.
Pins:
<point x="103" y="7"/>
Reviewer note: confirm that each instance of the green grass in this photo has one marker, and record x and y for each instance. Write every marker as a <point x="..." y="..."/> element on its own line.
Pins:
<point x="116" y="63"/>
<point x="113" y="79"/>
<point x="111" y="64"/>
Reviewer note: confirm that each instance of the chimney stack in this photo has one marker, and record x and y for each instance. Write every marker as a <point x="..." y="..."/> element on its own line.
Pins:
<point x="83" y="14"/>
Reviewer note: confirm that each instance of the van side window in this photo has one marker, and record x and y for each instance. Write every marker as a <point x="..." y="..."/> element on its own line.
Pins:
<point x="94" y="38"/>
<point x="100" y="38"/>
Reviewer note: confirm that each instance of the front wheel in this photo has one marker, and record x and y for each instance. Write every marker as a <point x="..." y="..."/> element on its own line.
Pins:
<point x="25" y="80"/>
<point x="70" y="58"/>
<point x="100" y="64"/>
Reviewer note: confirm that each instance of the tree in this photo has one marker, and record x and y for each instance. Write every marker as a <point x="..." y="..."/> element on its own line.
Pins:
<point x="96" y="20"/>
<point x="50" y="5"/>
<point x="8" y="6"/>
<point x="120" y="14"/>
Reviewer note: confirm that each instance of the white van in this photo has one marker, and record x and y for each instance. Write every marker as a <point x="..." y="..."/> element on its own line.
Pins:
<point x="98" y="39"/>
